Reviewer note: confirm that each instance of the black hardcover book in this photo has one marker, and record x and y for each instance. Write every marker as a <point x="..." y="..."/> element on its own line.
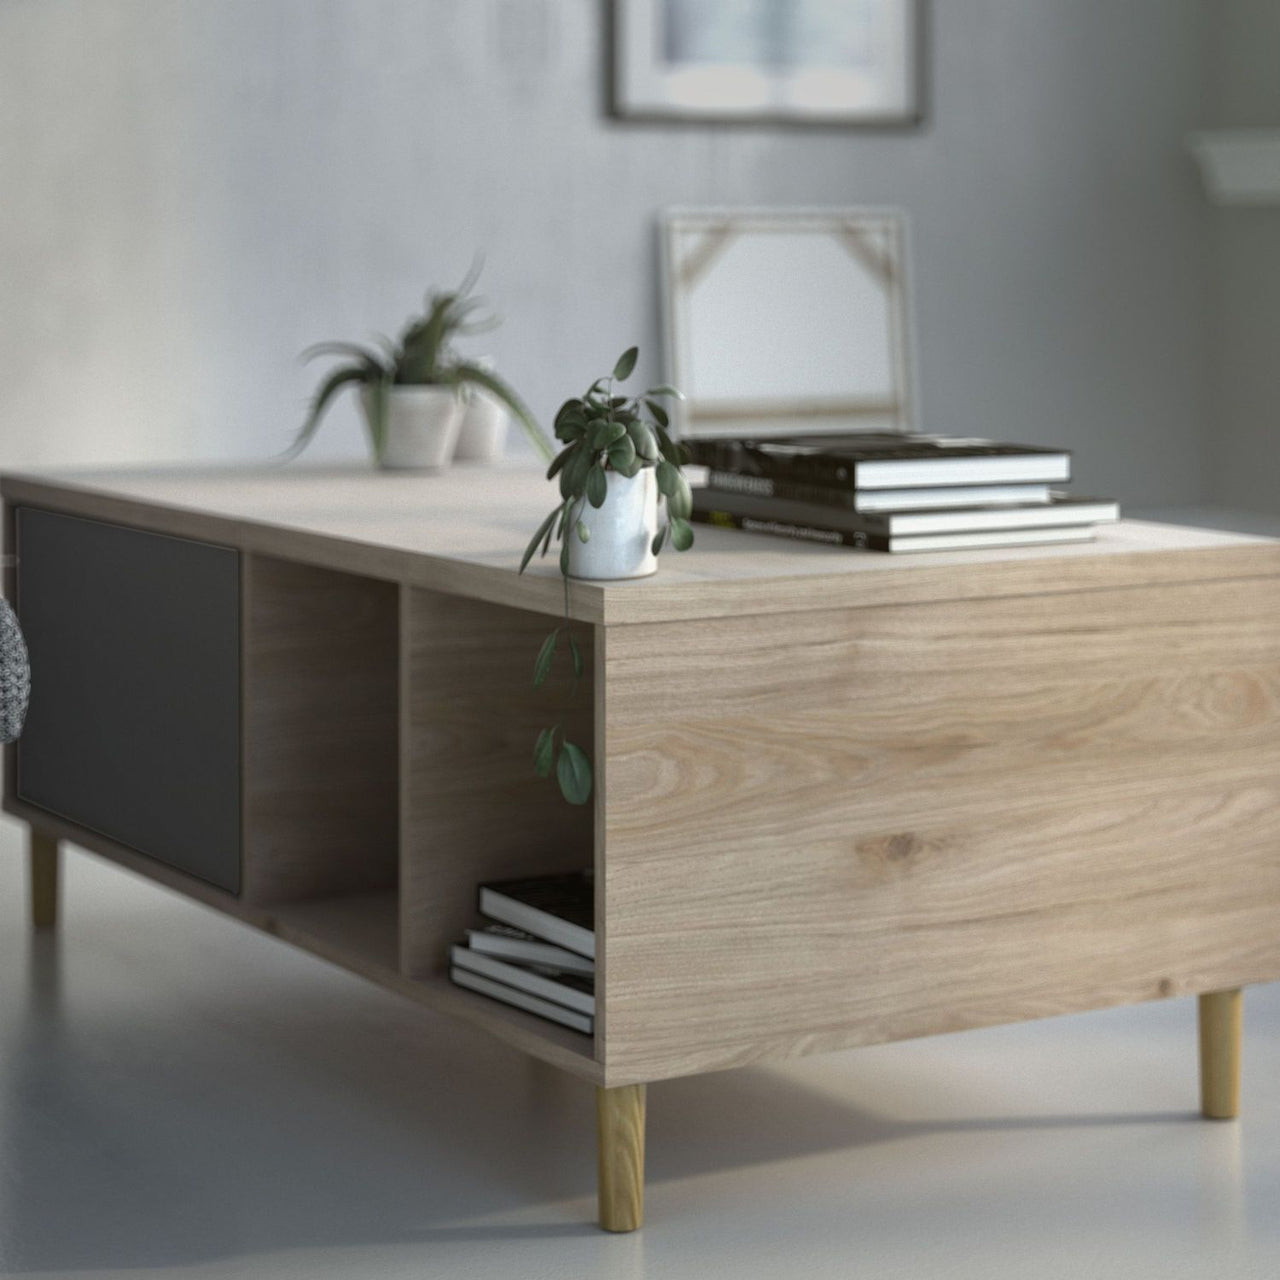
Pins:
<point x="518" y="999"/>
<point x="573" y="990"/>
<point x="559" y="908"/>
<point x="519" y="947"/>
<point x="1061" y="510"/>
<point x="972" y="540"/>
<point x="873" y="461"/>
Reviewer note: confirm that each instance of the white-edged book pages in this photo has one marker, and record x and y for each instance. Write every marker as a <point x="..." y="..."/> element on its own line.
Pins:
<point x="519" y="947"/>
<point x="569" y="989"/>
<point x="558" y="908"/>
<point x="523" y="1000"/>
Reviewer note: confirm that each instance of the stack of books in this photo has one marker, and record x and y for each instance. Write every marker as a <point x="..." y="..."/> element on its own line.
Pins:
<point x="894" y="492"/>
<point x="537" y="949"/>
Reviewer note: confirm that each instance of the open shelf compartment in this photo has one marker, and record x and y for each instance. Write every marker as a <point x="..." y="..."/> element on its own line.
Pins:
<point x="422" y="704"/>
<point x="472" y="808"/>
<point x="321" y="703"/>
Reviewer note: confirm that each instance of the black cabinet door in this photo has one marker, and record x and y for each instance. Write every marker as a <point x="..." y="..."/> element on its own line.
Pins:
<point x="134" y="724"/>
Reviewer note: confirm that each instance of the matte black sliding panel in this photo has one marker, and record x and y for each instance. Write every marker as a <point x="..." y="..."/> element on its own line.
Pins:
<point x="134" y="726"/>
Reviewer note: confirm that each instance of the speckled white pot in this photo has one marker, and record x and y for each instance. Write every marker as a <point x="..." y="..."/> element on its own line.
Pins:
<point x="421" y="428"/>
<point x="622" y="531"/>
<point x="483" y="435"/>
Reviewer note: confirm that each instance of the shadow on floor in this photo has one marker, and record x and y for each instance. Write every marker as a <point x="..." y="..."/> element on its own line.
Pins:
<point x="153" y="1120"/>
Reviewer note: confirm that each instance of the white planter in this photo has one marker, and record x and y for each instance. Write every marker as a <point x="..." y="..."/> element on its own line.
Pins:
<point x="622" y="531"/>
<point x="483" y="436"/>
<point x="421" y="427"/>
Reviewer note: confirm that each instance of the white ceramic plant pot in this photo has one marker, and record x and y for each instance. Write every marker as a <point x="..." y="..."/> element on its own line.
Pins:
<point x="421" y="427"/>
<point x="622" y="531"/>
<point x="483" y="435"/>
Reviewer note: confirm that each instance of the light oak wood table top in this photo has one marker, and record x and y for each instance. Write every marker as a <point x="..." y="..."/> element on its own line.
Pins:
<point x="464" y="531"/>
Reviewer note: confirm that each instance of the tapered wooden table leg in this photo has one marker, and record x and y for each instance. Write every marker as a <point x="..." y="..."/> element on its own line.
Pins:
<point x="44" y="879"/>
<point x="1221" y="1021"/>
<point x="620" y="1138"/>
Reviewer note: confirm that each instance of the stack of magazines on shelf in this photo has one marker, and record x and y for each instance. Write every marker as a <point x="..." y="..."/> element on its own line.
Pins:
<point x="537" y="949"/>
<point x="894" y="492"/>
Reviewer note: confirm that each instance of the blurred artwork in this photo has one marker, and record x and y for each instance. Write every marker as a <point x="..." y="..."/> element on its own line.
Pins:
<point x="839" y="60"/>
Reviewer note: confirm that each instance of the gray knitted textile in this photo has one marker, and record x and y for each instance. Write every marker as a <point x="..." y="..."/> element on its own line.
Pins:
<point x="15" y="675"/>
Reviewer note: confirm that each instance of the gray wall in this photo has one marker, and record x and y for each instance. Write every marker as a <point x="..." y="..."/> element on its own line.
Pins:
<point x="195" y="190"/>
<point x="1244" y="422"/>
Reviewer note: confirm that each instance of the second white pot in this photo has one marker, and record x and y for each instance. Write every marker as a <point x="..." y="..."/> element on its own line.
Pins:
<point x="621" y="532"/>
<point x="483" y="435"/>
<point x="421" y="427"/>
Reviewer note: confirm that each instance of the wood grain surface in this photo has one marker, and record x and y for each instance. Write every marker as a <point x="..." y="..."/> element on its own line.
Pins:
<point x="473" y="808"/>
<point x="861" y="825"/>
<point x="620" y="1118"/>
<point x="1221" y="1023"/>
<point x="351" y="932"/>
<point x="462" y="533"/>
<point x="321" y="724"/>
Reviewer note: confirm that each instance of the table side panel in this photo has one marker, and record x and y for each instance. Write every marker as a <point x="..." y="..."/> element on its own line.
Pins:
<point x="861" y="825"/>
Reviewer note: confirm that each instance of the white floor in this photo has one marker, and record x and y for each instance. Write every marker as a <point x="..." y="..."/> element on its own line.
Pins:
<point x="180" y="1096"/>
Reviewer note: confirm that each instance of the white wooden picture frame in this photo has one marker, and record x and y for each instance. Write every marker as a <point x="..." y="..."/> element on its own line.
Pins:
<point x="788" y="322"/>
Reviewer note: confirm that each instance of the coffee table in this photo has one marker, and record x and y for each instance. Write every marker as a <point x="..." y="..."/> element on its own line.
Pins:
<point x="841" y="797"/>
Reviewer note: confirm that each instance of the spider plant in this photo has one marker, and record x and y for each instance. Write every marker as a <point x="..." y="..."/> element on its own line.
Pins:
<point x="423" y="356"/>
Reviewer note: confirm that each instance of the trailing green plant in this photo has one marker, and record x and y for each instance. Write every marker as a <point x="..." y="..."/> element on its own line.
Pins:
<point x="423" y="356"/>
<point x="601" y="432"/>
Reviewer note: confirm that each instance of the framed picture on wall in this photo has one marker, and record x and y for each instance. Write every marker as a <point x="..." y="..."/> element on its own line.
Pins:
<point x="838" y="61"/>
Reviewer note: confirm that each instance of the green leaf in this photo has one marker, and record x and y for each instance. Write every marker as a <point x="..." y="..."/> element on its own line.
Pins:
<point x="672" y="450"/>
<point x="622" y="453"/>
<point x="329" y="388"/>
<point x="364" y="355"/>
<point x="573" y="772"/>
<point x="557" y="463"/>
<point x="626" y="363"/>
<point x="605" y="433"/>
<point x="571" y="421"/>
<point x="681" y="534"/>
<point x="584" y="535"/>
<point x="665" y="390"/>
<point x="571" y="410"/>
<point x="564" y="558"/>
<point x="377" y="416"/>
<point x="658" y="539"/>
<point x="544" y="752"/>
<point x="543" y="529"/>
<point x="645" y="441"/>
<point x="597" y="487"/>
<point x="542" y="667"/>
<point x="680" y="499"/>
<point x="668" y="478"/>
<point x="574" y="475"/>
<point x="659" y="413"/>
<point x="577" y="657"/>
